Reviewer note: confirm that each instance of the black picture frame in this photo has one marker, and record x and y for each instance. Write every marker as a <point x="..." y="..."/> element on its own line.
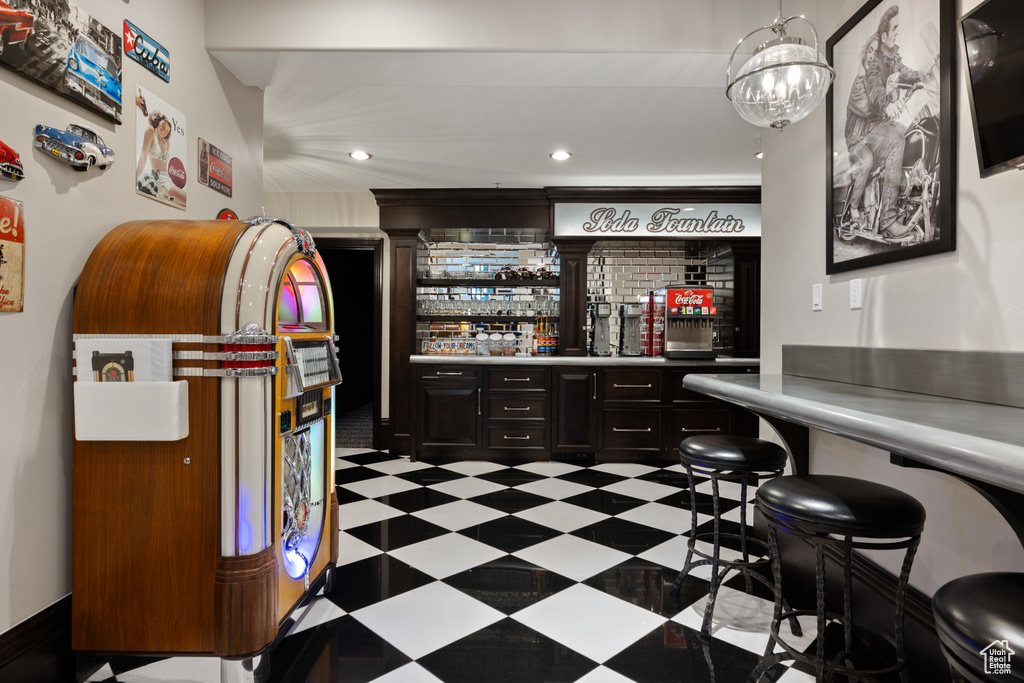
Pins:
<point x="911" y="121"/>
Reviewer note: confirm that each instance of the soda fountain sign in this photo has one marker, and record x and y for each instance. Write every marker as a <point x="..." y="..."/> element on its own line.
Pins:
<point x="678" y="221"/>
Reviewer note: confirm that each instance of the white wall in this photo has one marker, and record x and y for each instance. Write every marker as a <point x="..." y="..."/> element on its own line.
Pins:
<point x="342" y="214"/>
<point x="66" y="214"/>
<point x="969" y="299"/>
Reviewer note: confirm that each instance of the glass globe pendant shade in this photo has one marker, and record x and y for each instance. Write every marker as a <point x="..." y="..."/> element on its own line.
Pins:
<point x="780" y="85"/>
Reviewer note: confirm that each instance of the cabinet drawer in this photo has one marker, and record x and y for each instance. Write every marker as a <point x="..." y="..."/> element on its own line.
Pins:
<point x="517" y="379"/>
<point x="443" y="373"/>
<point x="686" y="423"/>
<point x="517" y="437"/>
<point x="517" y="407"/>
<point x="632" y="385"/>
<point x="632" y="429"/>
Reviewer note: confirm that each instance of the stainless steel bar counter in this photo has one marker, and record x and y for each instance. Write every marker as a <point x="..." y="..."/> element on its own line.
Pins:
<point x="596" y="361"/>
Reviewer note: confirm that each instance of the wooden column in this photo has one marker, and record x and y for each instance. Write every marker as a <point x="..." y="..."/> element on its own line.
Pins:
<point x="572" y="308"/>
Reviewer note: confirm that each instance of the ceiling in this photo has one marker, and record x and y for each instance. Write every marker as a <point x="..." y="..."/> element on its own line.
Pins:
<point x="473" y="118"/>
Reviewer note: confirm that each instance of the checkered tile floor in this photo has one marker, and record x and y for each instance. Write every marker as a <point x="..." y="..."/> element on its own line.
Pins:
<point x="470" y="571"/>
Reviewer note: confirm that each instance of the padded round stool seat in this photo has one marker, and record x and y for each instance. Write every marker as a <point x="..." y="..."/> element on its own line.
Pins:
<point x="975" y="616"/>
<point x="844" y="514"/>
<point x="743" y="460"/>
<point x="842" y="505"/>
<point x="729" y="452"/>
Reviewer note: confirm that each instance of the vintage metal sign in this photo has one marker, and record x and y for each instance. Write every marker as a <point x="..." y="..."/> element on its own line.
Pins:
<point x="214" y="168"/>
<point x="12" y="255"/>
<point x="673" y="221"/>
<point x="146" y="51"/>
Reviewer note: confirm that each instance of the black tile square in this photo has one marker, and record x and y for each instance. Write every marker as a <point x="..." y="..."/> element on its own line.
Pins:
<point x="369" y="581"/>
<point x="342" y="650"/>
<point x="511" y="501"/>
<point x="510" y="533"/>
<point x="591" y="477"/>
<point x="728" y="532"/>
<point x="370" y="457"/>
<point x="670" y="478"/>
<point x="605" y="501"/>
<point x="426" y="477"/>
<point x="673" y="652"/>
<point x="509" y="584"/>
<point x="621" y="534"/>
<point x="511" y="477"/>
<point x="507" y="652"/>
<point x="346" y="496"/>
<point x="350" y="475"/>
<point x="642" y="583"/>
<point x="415" y="500"/>
<point x="397" y="532"/>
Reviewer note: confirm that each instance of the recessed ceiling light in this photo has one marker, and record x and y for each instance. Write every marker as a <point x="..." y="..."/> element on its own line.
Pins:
<point x="560" y="155"/>
<point x="360" y="156"/>
<point x="758" y="155"/>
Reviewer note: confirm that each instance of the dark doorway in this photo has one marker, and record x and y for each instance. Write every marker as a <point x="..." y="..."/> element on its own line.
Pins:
<point x="355" y="267"/>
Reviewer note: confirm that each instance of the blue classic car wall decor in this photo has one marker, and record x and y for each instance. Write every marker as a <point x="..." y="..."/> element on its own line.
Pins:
<point x="77" y="146"/>
<point x="92" y="74"/>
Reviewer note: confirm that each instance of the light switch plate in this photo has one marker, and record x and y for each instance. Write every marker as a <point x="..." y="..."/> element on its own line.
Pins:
<point x="855" y="294"/>
<point x="816" y="297"/>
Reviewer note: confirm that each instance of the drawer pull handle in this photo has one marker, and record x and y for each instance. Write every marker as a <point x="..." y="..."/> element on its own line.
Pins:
<point x="449" y="374"/>
<point x="517" y="379"/>
<point x="709" y="429"/>
<point x="518" y="409"/>
<point x="616" y="429"/>
<point x="632" y="386"/>
<point x="516" y="438"/>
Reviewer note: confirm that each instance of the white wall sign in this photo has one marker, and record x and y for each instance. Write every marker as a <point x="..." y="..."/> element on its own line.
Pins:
<point x="678" y="221"/>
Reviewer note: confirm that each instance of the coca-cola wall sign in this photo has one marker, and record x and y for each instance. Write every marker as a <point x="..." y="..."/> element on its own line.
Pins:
<point x="672" y="221"/>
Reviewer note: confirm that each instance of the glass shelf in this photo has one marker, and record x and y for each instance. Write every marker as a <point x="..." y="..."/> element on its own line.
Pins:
<point x="485" y="318"/>
<point x="481" y="283"/>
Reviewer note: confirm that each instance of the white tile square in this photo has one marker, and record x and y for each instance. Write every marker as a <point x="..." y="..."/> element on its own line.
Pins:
<point x="744" y="621"/>
<point x="549" y="468"/>
<point x="562" y="516"/>
<point x="410" y="673"/>
<point x="644" y="490"/>
<point x="572" y="557"/>
<point x="556" y="489"/>
<point x="342" y="464"/>
<point x="676" y="468"/>
<point x="399" y="466"/>
<point x="424" y="619"/>
<point x="460" y="514"/>
<point x="726" y="489"/>
<point x="379" y="487"/>
<point x="672" y="554"/>
<point x="471" y="468"/>
<point x="320" y="611"/>
<point x="351" y="549"/>
<point x="589" y="621"/>
<point x="665" y="517"/>
<point x="467" y="487"/>
<point x="624" y="469"/>
<point x="603" y="675"/>
<point x="344" y="452"/>
<point x="734" y="514"/>
<point x="351" y="515"/>
<point x="447" y="554"/>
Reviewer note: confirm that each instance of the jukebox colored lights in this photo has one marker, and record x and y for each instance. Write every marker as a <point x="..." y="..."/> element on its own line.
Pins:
<point x="301" y="302"/>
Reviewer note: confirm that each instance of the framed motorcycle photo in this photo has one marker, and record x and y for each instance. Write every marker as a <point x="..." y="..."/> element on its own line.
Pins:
<point x="890" y="134"/>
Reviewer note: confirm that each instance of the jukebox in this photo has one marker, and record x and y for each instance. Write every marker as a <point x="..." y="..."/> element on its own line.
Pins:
<point x="203" y="504"/>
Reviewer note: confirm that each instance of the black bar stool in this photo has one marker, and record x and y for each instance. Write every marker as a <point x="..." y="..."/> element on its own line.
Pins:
<point x="741" y="459"/>
<point x="980" y="619"/>
<point x="846" y="514"/>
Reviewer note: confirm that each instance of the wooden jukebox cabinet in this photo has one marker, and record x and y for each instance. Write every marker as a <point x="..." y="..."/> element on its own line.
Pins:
<point x="203" y="504"/>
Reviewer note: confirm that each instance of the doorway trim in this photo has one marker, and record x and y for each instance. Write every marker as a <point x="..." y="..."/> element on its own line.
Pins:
<point x="326" y="244"/>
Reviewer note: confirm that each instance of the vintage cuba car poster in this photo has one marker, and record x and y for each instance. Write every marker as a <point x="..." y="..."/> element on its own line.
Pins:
<point x="12" y="255"/>
<point x="65" y="49"/>
<point x="161" y="150"/>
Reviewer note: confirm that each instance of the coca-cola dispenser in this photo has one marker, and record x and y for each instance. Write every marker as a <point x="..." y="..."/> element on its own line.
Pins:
<point x="689" y="323"/>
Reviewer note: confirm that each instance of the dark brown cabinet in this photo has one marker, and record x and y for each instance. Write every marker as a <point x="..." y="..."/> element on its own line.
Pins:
<point x="517" y="411"/>
<point x="575" y="414"/>
<point x="448" y="408"/>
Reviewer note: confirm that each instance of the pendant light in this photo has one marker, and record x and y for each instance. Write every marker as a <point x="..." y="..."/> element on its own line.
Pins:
<point x="783" y="82"/>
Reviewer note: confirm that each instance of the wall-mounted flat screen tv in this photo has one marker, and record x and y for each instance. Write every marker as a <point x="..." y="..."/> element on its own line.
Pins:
<point x="994" y="40"/>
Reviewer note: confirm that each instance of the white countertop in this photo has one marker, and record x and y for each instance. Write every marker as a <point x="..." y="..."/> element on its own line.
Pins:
<point x="463" y="359"/>
<point x="980" y="440"/>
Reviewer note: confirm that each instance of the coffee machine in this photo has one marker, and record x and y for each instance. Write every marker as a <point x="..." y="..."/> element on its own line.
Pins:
<point x="629" y="329"/>
<point x="690" y="323"/>
<point x="600" y="324"/>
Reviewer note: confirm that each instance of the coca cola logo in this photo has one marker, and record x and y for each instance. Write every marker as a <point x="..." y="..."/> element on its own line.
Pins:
<point x="689" y="298"/>
<point x="176" y="170"/>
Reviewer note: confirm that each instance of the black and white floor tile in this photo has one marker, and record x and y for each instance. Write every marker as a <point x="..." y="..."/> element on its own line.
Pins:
<point x="469" y="571"/>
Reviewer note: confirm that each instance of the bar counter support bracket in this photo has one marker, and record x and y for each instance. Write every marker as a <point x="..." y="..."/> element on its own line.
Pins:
<point x="1007" y="503"/>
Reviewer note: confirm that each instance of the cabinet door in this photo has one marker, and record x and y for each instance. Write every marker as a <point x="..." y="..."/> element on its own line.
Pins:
<point x="575" y="411"/>
<point x="448" y="411"/>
